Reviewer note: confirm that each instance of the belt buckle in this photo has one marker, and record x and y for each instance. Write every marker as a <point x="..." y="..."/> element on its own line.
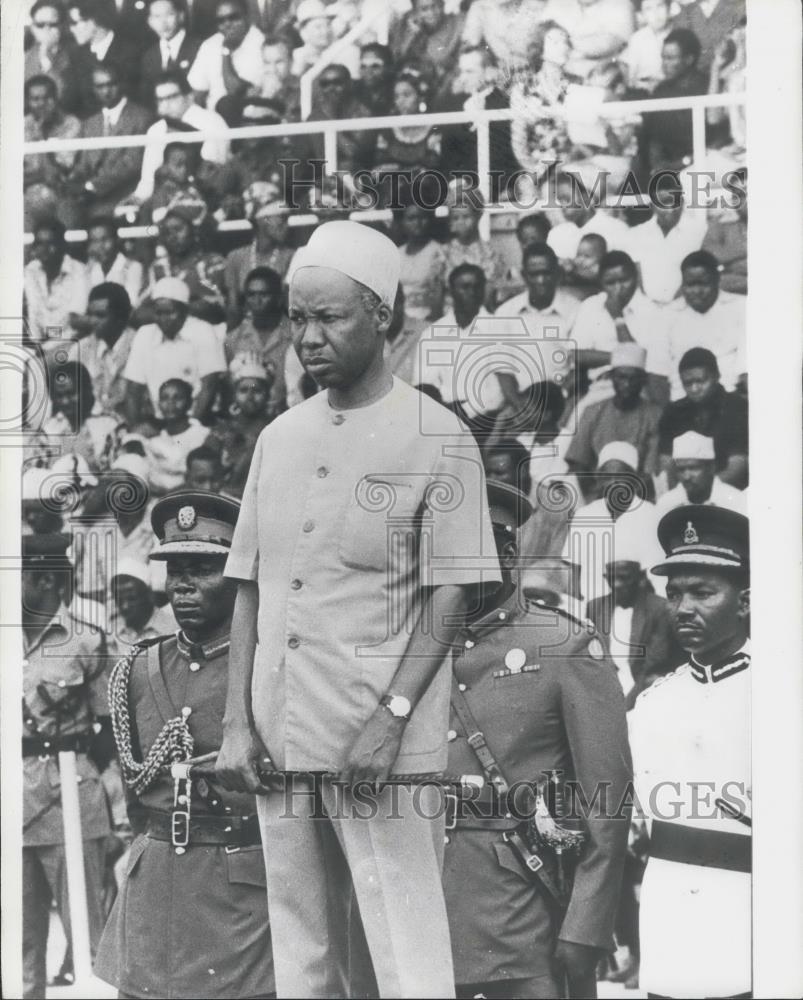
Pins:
<point x="231" y="848"/>
<point x="180" y="828"/>
<point x="450" y="813"/>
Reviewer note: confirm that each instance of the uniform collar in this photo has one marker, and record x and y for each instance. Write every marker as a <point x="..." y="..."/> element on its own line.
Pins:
<point x="506" y="612"/>
<point x="721" y="669"/>
<point x="202" y="650"/>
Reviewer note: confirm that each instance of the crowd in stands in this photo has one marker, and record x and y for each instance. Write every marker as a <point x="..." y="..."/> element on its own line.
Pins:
<point x="599" y="358"/>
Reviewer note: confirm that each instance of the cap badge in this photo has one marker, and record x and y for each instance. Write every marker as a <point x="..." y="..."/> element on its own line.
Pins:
<point x="690" y="536"/>
<point x="186" y="518"/>
<point x="515" y="660"/>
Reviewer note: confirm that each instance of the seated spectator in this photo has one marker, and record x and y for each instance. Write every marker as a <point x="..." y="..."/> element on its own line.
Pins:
<point x="270" y="249"/>
<point x="642" y="56"/>
<point x="583" y="276"/>
<point x="167" y="451"/>
<point x="175" y="49"/>
<point x="707" y="409"/>
<point x="506" y="27"/>
<point x="412" y="148"/>
<point x="533" y="228"/>
<point x="264" y="334"/>
<point x="39" y="513"/>
<point x="108" y="176"/>
<point x="726" y="239"/>
<point x="56" y="286"/>
<point x="581" y="217"/>
<point x="710" y="22"/>
<point x="695" y="466"/>
<point x="231" y="59"/>
<point x="135" y="616"/>
<point x="175" y="185"/>
<point x="667" y="135"/>
<point x="93" y="24"/>
<point x="106" y="260"/>
<point x="278" y="85"/>
<point x="430" y="38"/>
<point x="728" y="75"/>
<point x="49" y="178"/>
<point x="315" y="23"/>
<point x="401" y="341"/>
<point x="598" y="30"/>
<point x="234" y="439"/>
<point x="176" y="345"/>
<point x="204" y="471"/>
<point x="547" y="311"/>
<point x="374" y="89"/>
<point x="659" y="245"/>
<point x="185" y="258"/>
<point x="625" y="417"/>
<point x="104" y="352"/>
<point x="465" y="245"/>
<point x="51" y="54"/>
<point x="423" y="266"/>
<point x="706" y="317"/>
<point x="621" y="313"/>
<point x="637" y="624"/>
<point x="334" y="98"/>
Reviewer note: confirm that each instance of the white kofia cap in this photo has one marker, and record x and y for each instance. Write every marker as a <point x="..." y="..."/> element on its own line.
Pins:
<point x="629" y="356"/>
<point x="357" y="251"/>
<point x="619" y="451"/>
<point x="692" y="445"/>
<point x="171" y="288"/>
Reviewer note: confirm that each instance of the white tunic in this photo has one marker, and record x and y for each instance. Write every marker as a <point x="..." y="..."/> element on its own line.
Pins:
<point x="690" y="738"/>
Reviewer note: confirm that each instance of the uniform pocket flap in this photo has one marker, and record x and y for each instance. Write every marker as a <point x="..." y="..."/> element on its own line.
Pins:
<point x="247" y="866"/>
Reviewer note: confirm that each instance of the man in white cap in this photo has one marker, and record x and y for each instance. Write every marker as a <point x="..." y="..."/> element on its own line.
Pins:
<point x="348" y="493"/>
<point x="695" y="466"/>
<point x="628" y="416"/>
<point x="176" y="345"/>
<point x="136" y="616"/>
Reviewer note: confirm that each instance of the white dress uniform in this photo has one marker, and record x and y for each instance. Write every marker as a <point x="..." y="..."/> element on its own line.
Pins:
<point x="690" y="738"/>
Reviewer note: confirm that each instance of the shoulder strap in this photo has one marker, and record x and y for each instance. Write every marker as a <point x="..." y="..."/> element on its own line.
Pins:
<point x="161" y="695"/>
<point x="477" y="742"/>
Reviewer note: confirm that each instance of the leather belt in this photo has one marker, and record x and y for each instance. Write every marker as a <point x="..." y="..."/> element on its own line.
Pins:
<point x="225" y="831"/>
<point x="467" y="814"/>
<point x="49" y="746"/>
<point x="689" y="845"/>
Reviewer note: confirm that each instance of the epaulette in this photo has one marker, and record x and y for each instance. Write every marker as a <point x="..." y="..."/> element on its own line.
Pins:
<point x="659" y="681"/>
<point x="584" y="623"/>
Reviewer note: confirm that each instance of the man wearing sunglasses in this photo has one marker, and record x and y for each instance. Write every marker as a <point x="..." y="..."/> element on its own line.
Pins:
<point x="229" y="61"/>
<point x="101" y="42"/>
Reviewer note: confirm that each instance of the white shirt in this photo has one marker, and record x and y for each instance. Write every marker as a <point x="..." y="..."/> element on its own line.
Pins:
<point x="167" y="455"/>
<point x="722" y="495"/>
<point x="565" y="237"/>
<point x="595" y="330"/>
<point x="542" y="359"/>
<point x="643" y="57"/>
<point x="49" y="305"/>
<point x="100" y="49"/>
<point x="195" y="352"/>
<point x="619" y="644"/>
<point x="124" y="271"/>
<point x="213" y="150"/>
<point x="112" y="115"/>
<point x="206" y="74"/>
<point x="169" y="49"/>
<point x="688" y="735"/>
<point x="722" y="330"/>
<point x="660" y="256"/>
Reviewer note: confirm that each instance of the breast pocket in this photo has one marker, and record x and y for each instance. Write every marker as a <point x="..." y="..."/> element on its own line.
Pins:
<point x="247" y="867"/>
<point x="381" y="523"/>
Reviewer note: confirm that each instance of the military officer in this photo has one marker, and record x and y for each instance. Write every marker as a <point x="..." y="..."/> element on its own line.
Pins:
<point x="64" y="708"/>
<point x="539" y="694"/>
<point x="191" y="917"/>
<point x="690" y="735"/>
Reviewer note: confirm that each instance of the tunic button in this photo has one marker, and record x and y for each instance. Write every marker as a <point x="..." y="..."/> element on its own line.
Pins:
<point x="338" y="419"/>
<point x="62" y="683"/>
<point x="323" y="472"/>
<point x="308" y="526"/>
<point x="469" y="644"/>
<point x="502" y="615"/>
<point x="462" y="687"/>
<point x="180" y="850"/>
<point x="78" y="779"/>
<point x="451" y="736"/>
<point x="295" y="584"/>
<point x="195" y="667"/>
<point x="293" y="642"/>
<point x="447" y="839"/>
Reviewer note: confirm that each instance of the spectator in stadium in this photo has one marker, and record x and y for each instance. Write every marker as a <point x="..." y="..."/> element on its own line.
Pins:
<point x="175" y="185"/>
<point x="695" y="466"/>
<point x="264" y="334"/>
<point x="104" y="352"/>
<point x="598" y="30"/>
<point x="174" y="50"/>
<point x="134" y="615"/>
<point x="56" y="285"/>
<point x="48" y="178"/>
<point x="581" y="217"/>
<point x="413" y="148"/>
<point x="642" y="56"/>
<point x="38" y="513"/>
<point x="728" y="75"/>
<point x="231" y="59"/>
<point x="333" y="98"/>
<point x="726" y="239"/>
<point x="659" y="245"/>
<point x="106" y="260"/>
<point x="176" y="345"/>
<point x="204" y="471"/>
<point x="235" y="438"/>
<point x="174" y="103"/>
<point x="270" y="248"/>
<point x="430" y="38"/>
<point x="621" y="314"/>
<point x="93" y="25"/>
<point x="666" y="137"/>
<point x="706" y="317"/>
<point x="625" y="417"/>
<point x="583" y="274"/>
<point x="508" y="28"/>
<point x="465" y="245"/>
<point x="401" y="341"/>
<point x="710" y="21"/>
<point x="314" y="22"/>
<point x="707" y="409"/>
<point x="107" y="177"/>
<point x="51" y="54"/>
<point x="543" y="307"/>
<point x="166" y="452"/>
<point x="374" y="89"/>
<point x="533" y="228"/>
<point x="423" y="266"/>
<point x="278" y="84"/>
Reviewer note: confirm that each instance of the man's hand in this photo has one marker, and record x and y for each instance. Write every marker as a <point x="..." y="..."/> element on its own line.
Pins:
<point x="579" y="961"/>
<point x="239" y="760"/>
<point x="375" y="750"/>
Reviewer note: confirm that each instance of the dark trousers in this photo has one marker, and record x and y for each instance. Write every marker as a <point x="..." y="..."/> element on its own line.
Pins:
<point x="44" y="878"/>
<point x="537" y="988"/>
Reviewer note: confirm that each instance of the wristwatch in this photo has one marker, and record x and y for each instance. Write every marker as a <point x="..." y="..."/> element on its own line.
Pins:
<point x="398" y="706"/>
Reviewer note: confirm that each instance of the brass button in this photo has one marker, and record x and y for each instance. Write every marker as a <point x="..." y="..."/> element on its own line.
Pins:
<point x="195" y="667"/>
<point x="295" y="584"/>
<point x="469" y="644"/>
<point x="293" y="642"/>
<point x="502" y="615"/>
<point x="447" y="839"/>
<point x="462" y="687"/>
<point x="308" y="526"/>
<point x="338" y="419"/>
<point x="180" y="850"/>
<point x="451" y="736"/>
<point x="323" y="472"/>
<point x="62" y="683"/>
